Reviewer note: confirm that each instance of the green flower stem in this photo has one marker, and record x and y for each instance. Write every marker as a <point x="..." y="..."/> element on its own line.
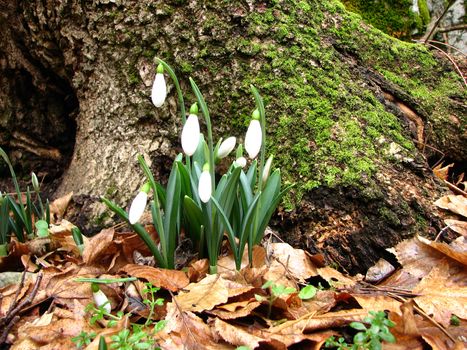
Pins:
<point x="262" y="120"/>
<point x="139" y="229"/>
<point x="207" y="119"/>
<point x="181" y="101"/>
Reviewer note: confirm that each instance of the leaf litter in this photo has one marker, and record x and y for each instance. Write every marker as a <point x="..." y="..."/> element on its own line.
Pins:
<point x="45" y="308"/>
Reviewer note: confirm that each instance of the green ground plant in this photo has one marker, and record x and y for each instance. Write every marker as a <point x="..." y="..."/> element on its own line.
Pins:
<point x="25" y="220"/>
<point x="371" y="333"/>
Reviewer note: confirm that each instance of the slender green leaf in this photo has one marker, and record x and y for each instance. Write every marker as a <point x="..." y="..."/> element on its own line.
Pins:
<point x="171" y="213"/>
<point x="195" y="219"/>
<point x="230" y="232"/>
<point x="139" y="229"/>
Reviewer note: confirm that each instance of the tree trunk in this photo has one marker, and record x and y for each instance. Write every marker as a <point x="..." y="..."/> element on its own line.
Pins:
<point x="353" y="115"/>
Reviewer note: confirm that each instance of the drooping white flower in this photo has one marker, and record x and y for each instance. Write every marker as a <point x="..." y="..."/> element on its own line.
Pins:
<point x="240" y="161"/>
<point x="138" y="205"/>
<point x="190" y="134"/>
<point x="254" y="136"/>
<point x="226" y="147"/>
<point x="205" y="185"/>
<point x="100" y="299"/>
<point x="267" y="169"/>
<point x="159" y="89"/>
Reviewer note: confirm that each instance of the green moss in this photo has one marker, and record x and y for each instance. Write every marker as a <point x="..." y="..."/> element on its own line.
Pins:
<point x="389" y="216"/>
<point x="424" y="12"/>
<point x="393" y="17"/>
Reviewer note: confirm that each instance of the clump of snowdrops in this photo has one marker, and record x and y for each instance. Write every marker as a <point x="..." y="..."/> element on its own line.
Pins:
<point x="23" y="219"/>
<point x="238" y="206"/>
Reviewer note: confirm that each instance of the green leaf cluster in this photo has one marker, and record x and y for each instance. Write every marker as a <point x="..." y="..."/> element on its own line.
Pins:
<point x="27" y="218"/>
<point x="371" y="333"/>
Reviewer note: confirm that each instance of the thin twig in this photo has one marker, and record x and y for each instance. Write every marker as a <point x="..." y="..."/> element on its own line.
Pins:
<point x="450" y="59"/>
<point x="432" y="31"/>
<point x="448" y="45"/>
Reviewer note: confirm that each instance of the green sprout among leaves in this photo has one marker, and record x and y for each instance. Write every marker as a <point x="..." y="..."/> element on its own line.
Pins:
<point x="83" y="339"/>
<point x="371" y="332"/>
<point x="276" y="291"/>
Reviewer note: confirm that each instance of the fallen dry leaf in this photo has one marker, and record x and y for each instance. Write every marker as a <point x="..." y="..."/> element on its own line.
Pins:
<point x="204" y="295"/>
<point x="296" y="261"/>
<point x="442" y="172"/>
<point x="458" y="252"/>
<point x="455" y="203"/>
<point x="236" y="335"/>
<point x="58" y="207"/>
<point x="235" y="310"/>
<point x="457" y="226"/>
<point x="377" y="302"/>
<point x="335" y="278"/>
<point x="98" y="246"/>
<point x="440" y="298"/>
<point x="172" y="280"/>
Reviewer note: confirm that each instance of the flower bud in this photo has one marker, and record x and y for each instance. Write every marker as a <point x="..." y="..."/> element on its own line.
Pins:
<point x="205" y="185"/>
<point x="240" y="161"/>
<point x="226" y="147"/>
<point x="139" y="204"/>
<point x="159" y="89"/>
<point x="100" y="299"/>
<point x="190" y="135"/>
<point x="267" y="170"/>
<point x="35" y="182"/>
<point x="253" y="138"/>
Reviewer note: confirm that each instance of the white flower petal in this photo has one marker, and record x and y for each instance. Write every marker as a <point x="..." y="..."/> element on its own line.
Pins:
<point x="159" y="90"/>
<point x="241" y="161"/>
<point x="100" y="299"/>
<point x="205" y="186"/>
<point x="226" y="147"/>
<point x="190" y="135"/>
<point x="253" y="139"/>
<point x="137" y="207"/>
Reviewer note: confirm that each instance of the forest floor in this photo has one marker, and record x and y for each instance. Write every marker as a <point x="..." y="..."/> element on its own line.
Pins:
<point x="287" y="299"/>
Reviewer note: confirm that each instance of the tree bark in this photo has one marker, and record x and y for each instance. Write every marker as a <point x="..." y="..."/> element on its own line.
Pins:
<point x="353" y="115"/>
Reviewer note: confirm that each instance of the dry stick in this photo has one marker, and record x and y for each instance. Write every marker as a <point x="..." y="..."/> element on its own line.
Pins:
<point x="450" y="59"/>
<point x="432" y="31"/>
<point x="441" y="231"/>
<point x="455" y="188"/>
<point x="448" y="45"/>
<point x="21" y="284"/>
<point x="12" y="318"/>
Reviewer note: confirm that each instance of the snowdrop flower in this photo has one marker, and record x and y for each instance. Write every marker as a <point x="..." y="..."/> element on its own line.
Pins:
<point x="226" y="147"/>
<point x="139" y="204"/>
<point x="253" y="136"/>
<point x="205" y="185"/>
<point x="240" y="161"/>
<point x="159" y="89"/>
<point x="267" y="170"/>
<point x="35" y="182"/>
<point x="190" y="132"/>
<point x="100" y="299"/>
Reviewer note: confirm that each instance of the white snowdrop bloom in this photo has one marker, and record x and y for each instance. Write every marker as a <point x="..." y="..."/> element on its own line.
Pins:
<point x="100" y="299"/>
<point x="190" y="135"/>
<point x="267" y="169"/>
<point x="226" y="147"/>
<point x="205" y="185"/>
<point x="241" y="162"/>
<point x="159" y="89"/>
<point x="138" y="205"/>
<point x="253" y="139"/>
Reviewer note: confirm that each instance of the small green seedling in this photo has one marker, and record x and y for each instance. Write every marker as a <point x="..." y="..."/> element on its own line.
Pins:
<point x="83" y="339"/>
<point x="307" y="292"/>
<point x="276" y="291"/>
<point x="371" y="333"/>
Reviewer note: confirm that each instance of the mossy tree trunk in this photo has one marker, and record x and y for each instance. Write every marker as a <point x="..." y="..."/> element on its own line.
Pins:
<point x="349" y="108"/>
